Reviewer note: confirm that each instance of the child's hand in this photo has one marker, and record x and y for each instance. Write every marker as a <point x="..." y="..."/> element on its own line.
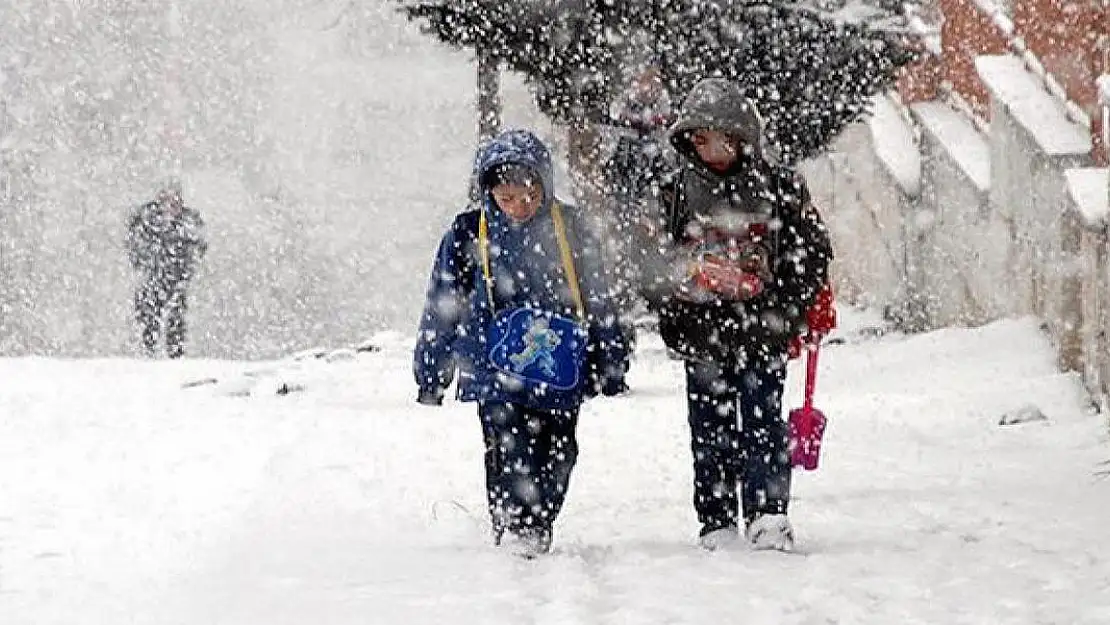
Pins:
<point x="749" y="286"/>
<point x="613" y="387"/>
<point x="430" y="397"/>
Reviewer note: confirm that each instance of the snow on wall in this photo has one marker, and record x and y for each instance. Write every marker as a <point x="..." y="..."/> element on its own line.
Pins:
<point x="964" y="144"/>
<point x="960" y="288"/>
<point x="1026" y="99"/>
<point x="895" y="145"/>
<point x="1089" y="191"/>
<point x="997" y="230"/>
<point x="1032" y="143"/>
<point x="863" y="200"/>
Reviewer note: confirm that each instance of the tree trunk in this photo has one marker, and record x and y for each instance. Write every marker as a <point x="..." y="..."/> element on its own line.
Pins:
<point x="584" y="156"/>
<point x="489" y="98"/>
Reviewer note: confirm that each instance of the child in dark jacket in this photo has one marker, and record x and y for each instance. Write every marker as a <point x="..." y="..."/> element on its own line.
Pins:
<point x="738" y="257"/>
<point x="519" y="308"/>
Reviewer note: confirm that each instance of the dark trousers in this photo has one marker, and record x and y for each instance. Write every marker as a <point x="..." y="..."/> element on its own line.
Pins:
<point x="530" y="455"/>
<point x="160" y="311"/>
<point x="737" y="434"/>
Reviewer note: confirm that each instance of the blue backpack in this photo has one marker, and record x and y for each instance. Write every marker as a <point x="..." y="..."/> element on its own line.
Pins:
<point x="538" y="357"/>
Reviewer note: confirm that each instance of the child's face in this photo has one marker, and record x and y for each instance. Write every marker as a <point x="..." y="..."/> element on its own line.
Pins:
<point x="715" y="148"/>
<point x="519" y="201"/>
<point x="648" y="86"/>
<point x="170" y="202"/>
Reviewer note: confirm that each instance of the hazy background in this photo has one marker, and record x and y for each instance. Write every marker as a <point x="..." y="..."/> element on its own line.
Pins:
<point x="326" y="143"/>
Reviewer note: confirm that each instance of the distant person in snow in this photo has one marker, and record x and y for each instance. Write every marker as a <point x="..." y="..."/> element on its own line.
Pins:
<point x="518" y="306"/>
<point x="165" y="242"/>
<point x="645" y="106"/>
<point x="639" y="119"/>
<point x="732" y="263"/>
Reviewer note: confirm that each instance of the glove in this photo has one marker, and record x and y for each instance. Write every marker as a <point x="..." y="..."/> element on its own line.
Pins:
<point x="430" y="397"/>
<point x="820" y="319"/>
<point x="749" y="286"/>
<point x="607" y="385"/>
<point x="798" y="345"/>
<point x="821" y="316"/>
<point x="613" y="387"/>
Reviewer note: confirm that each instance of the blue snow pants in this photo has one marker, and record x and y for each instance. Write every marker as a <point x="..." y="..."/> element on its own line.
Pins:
<point x="737" y="434"/>
<point x="529" y="457"/>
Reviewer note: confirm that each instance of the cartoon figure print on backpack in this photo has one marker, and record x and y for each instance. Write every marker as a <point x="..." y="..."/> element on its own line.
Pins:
<point x="518" y="309"/>
<point x="732" y="262"/>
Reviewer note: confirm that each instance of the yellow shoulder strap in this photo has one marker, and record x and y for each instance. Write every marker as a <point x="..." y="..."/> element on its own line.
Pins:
<point x="564" y="250"/>
<point x="568" y="259"/>
<point x="483" y="252"/>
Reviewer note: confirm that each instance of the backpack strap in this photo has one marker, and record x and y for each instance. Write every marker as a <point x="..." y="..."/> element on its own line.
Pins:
<point x="564" y="251"/>
<point x="568" y="259"/>
<point x="483" y="252"/>
<point x="675" y="210"/>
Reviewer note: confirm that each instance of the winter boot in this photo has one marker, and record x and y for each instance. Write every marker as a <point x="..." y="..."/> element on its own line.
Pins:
<point x="718" y="538"/>
<point x="527" y="543"/>
<point x="770" y="531"/>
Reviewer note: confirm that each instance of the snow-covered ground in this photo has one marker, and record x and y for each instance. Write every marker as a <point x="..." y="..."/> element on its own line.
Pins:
<point x="125" y="498"/>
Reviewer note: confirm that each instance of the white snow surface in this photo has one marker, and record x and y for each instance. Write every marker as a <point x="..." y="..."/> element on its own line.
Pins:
<point x="127" y="499"/>
<point x="1089" y="188"/>
<point x="895" y="144"/>
<point x="1024" y="95"/>
<point x="958" y="135"/>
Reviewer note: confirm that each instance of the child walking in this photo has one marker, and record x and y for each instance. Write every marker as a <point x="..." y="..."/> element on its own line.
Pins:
<point x="518" y="309"/>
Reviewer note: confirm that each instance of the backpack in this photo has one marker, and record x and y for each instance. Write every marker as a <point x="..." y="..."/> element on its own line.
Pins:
<point x="538" y="357"/>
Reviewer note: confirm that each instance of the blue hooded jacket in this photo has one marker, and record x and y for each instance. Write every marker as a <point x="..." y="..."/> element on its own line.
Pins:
<point x="527" y="270"/>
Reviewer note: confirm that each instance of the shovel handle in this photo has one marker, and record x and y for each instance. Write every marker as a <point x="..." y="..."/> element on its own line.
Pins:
<point x="811" y="375"/>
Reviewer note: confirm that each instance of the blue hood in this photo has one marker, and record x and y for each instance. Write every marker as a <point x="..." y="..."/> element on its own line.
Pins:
<point x="522" y="148"/>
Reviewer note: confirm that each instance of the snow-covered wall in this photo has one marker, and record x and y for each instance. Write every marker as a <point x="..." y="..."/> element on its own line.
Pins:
<point x="1012" y="222"/>
<point x="960" y="286"/>
<point x="1089" y="197"/>
<point x="866" y="187"/>
<point x="1032" y="144"/>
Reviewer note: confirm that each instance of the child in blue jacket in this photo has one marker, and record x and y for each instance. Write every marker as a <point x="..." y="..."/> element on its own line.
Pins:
<point x="518" y="307"/>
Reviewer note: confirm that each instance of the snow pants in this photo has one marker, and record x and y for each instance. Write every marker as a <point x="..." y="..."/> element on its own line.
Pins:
<point x="529" y="457"/>
<point x="160" y="311"/>
<point x="737" y="433"/>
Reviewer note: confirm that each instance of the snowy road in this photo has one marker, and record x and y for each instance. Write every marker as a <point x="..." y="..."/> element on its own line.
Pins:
<point x="125" y="499"/>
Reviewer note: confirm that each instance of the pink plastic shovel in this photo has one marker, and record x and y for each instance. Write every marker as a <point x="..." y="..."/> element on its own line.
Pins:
<point x="807" y="424"/>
